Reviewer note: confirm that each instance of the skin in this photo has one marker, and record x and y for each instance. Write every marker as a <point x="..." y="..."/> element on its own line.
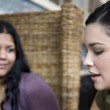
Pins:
<point x="94" y="106"/>
<point x="7" y="54"/>
<point x="97" y="59"/>
<point x="7" y="59"/>
<point x="98" y="56"/>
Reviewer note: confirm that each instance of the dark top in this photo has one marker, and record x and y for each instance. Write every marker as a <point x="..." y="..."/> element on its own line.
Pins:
<point x="35" y="94"/>
<point x="103" y="99"/>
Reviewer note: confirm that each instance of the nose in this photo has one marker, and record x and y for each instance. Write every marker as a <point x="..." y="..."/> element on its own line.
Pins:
<point x="88" y="60"/>
<point x="2" y="54"/>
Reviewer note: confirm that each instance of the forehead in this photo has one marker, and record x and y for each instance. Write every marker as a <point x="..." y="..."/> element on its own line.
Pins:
<point x="6" y="39"/>
<point x="95" y="33"/>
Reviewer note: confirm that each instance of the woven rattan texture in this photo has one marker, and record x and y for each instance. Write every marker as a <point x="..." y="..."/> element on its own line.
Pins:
<point x="51" y="41"/>
<point x="71" y="42"/>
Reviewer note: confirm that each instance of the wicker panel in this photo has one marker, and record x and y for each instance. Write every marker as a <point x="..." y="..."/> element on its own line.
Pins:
<point x="51" y="41"/>
<point x="71" y="42"/>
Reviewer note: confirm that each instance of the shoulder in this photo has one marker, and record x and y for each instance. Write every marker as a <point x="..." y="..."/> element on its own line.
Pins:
<point x="100" y="98"/>
<point x="101" y="95"/>
<point x="36" y="93"/>
<point x="30" y="77"/>
<point x="31" y="82"/>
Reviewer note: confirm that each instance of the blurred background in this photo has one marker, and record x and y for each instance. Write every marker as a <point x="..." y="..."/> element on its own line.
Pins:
<point x="13" y="6"/>
<point x="18" y="6"/>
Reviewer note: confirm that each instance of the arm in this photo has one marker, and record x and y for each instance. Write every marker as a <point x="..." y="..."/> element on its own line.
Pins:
<point x="39" y="95"/>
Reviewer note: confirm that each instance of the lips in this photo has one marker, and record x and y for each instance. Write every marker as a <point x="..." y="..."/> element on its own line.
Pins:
<point x="95" y="76"/>
<point x="3" y="66"/>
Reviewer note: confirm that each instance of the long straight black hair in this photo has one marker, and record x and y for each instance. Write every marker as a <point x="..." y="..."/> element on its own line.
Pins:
<point x="12" y="79"/>
<point x="101" y="16"/>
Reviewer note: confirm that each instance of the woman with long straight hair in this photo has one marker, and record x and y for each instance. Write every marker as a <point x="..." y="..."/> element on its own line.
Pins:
<point x="97" y="42"/>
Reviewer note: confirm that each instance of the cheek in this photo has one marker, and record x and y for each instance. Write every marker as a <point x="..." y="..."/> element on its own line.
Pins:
<point x="103" y="63"/>
<point x="12" y="58"/>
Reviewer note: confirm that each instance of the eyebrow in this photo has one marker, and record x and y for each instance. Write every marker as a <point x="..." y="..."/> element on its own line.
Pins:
<point x="10" y="46"/>
<point x="96" y="43"/>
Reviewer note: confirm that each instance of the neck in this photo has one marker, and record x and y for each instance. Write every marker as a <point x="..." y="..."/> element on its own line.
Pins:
<point x="1" y="82"/>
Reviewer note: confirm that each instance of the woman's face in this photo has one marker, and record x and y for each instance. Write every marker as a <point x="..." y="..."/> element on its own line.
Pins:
<point x="7" y="53"/>
<point x="97" y="58"/>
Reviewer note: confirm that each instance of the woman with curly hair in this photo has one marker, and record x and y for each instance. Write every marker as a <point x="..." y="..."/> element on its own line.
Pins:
<point x="19" y="88"/>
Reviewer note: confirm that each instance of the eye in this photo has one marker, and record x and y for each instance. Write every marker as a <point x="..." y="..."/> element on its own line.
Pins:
<point x="9" y="50"/>
<point x="98" y="52"/>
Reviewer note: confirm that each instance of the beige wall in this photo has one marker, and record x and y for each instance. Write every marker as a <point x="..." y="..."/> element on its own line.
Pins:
<point x="93" y="4"/>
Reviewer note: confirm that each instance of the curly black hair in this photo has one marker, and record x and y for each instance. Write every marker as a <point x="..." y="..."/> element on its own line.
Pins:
<point x="12" y="79"/>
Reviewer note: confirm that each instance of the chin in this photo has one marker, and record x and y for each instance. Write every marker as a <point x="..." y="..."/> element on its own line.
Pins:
<point x="99" y="88"/>
<point x="2" y="75"/>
